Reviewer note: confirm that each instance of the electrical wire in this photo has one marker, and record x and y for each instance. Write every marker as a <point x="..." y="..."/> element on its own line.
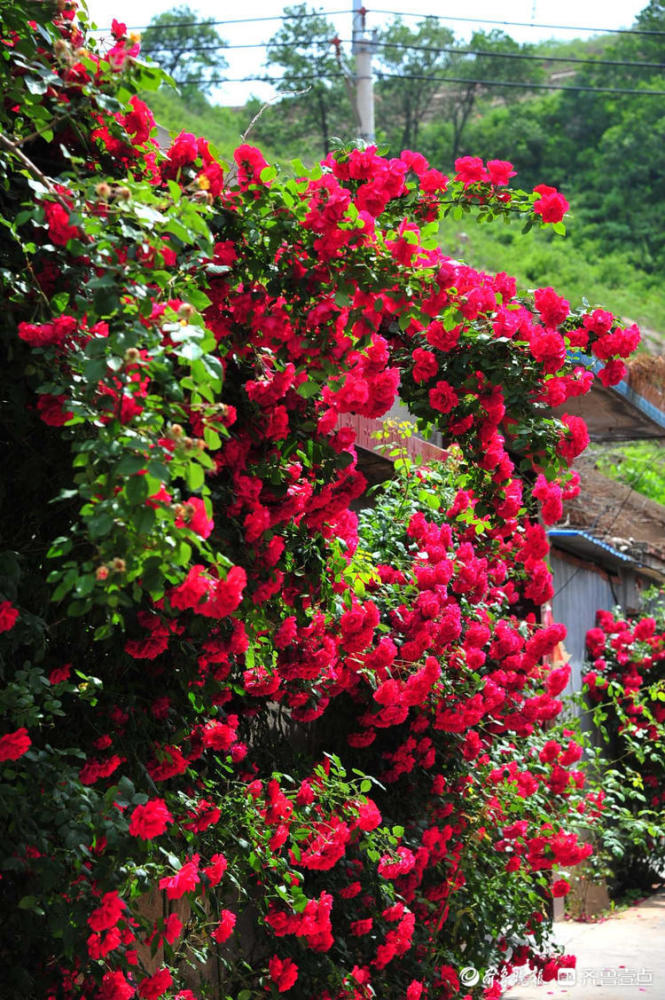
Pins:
<point x="235" y="20"/>
<point x="521" y="24"/>
<point x="526" y="85"/>
<point x="435" y="48"/>
<point x="396" y="13"/>
<point x="275" y="80"/>
<point x="523" y="55"/>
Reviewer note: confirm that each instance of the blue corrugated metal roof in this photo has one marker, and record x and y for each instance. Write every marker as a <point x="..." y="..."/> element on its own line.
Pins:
<point x="650" y="411"/>
<point x="578" y="534"/>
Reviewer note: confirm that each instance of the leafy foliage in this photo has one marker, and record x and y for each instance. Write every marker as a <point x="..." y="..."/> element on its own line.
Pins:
<point x="412" y="59"/>
<point x="189" y="49"/>
<point x="638" y="465"/>
<point x="626" y="690"/>
<point x="245" y="729"/>
<point x="315" y="98"/>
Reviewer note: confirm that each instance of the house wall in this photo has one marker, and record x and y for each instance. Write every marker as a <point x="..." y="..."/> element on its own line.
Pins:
<point x="581" y="589"/>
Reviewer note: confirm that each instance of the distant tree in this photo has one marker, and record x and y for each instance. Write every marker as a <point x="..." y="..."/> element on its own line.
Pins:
<point x="410" y="61"/>
<point x="631" y="148"/>
<point x="527" y="133"/>
<point x="304" y="51"/>
<point x="616" y="140"/>
<point x="188" y="48"/>
<point x="649" y="48"/>
<point x="415" y="61"/>
<point x="499" y="62"/>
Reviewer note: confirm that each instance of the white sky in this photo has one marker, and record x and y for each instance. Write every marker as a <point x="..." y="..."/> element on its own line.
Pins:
<point x="597" y="14"/>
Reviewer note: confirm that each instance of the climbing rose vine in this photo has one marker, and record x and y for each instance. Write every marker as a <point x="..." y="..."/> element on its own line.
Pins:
<point x="625" y="688"/>
<point x="256" y="742"/>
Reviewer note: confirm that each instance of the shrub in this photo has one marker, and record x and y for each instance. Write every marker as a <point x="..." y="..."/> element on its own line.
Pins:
<point x="625" y="688"/>
<point x="318" y="744"/>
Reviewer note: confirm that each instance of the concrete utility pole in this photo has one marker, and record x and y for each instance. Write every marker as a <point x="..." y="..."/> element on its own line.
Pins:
<point x="362" y="49"/>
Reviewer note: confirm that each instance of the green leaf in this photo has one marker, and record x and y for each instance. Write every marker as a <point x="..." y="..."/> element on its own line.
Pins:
<point x="130" y="464"/>
<point x="191" y="351"/>
<point x="194" y="476"/>
<point x="174" y="191"/>
<point x="30" y="903"/>
<point x="99" y="524"/>
<point x="198" y="299"/>
<point x="213" y="440"/>
<point x="308" y="389"/>
<point x="136" y="489"/>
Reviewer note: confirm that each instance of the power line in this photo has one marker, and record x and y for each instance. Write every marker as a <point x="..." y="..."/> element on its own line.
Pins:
<point x="522" y="24"/>
<point x="436" y="48"/>
<point x="395" y="13"/>
<point x="275" y="80"/>
<point x="526" y="85"/>
<point x="262" y="45"/>
<point x="522" y="55"/>
<point x="235" y="20"/>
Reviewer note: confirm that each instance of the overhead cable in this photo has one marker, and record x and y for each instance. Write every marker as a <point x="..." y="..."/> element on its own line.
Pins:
<point x="235" y="20"/>
<point x="436" y="48"/>
<point x="523" y="85"/>
<point x="397" y="13"/>
<point x="521" y="24"/>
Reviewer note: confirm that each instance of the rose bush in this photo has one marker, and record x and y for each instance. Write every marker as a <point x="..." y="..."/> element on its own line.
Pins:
<point x="317" y="736"/>
<point x="625" y="688"/>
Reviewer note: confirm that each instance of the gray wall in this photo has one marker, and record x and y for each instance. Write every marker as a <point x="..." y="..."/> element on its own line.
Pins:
<point x="579" y="592"/>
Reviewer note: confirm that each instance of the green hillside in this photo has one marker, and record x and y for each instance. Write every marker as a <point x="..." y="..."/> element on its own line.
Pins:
<point x="602" y="146"/>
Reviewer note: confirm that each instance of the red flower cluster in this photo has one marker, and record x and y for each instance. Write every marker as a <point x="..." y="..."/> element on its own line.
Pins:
<point x="280" y="644"/>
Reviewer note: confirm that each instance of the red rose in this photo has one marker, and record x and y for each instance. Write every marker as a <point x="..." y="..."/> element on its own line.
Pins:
<point x="551" y="205"/>
<point x="8" y="616"/>
<point x="250" y="163"/>
<point x="500" y="172"/>
<point x="369" y="816"/>
<point x="195" y="518"/>
<point x="60" y="674"/>
<point x="57" y="220"/>
<point x="52" y="409"/>
<point x="426" y="365"/>
<point x="470" y="169"/>
<point x="553" y="308"/>
<point x="443" y="397"/>
<point x="557" y="680"/>
<point x="183" y="881"/>
<point x="224" y="929"/>
<point x="560" y="887"/>
<point x="172" y="927"/>
<point x="183" y="150"/>
<point x="155" y="986"/>
<point x="115" y="987"/>
<point x="283" y="973"/>
<point x="14" y="745"/>
<point x="150" y="820"/>
<point x="108" y="913"/>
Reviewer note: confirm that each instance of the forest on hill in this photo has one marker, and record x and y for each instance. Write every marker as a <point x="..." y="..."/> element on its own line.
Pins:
<point x="599" y="138"/>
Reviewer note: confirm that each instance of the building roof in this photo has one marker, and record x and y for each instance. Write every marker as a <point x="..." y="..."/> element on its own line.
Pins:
<point x="633" y="410"/>
<point x="613" y="524"/>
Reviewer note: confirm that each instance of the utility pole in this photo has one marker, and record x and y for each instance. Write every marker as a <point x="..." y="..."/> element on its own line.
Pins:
<point x="362" y="49"/>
